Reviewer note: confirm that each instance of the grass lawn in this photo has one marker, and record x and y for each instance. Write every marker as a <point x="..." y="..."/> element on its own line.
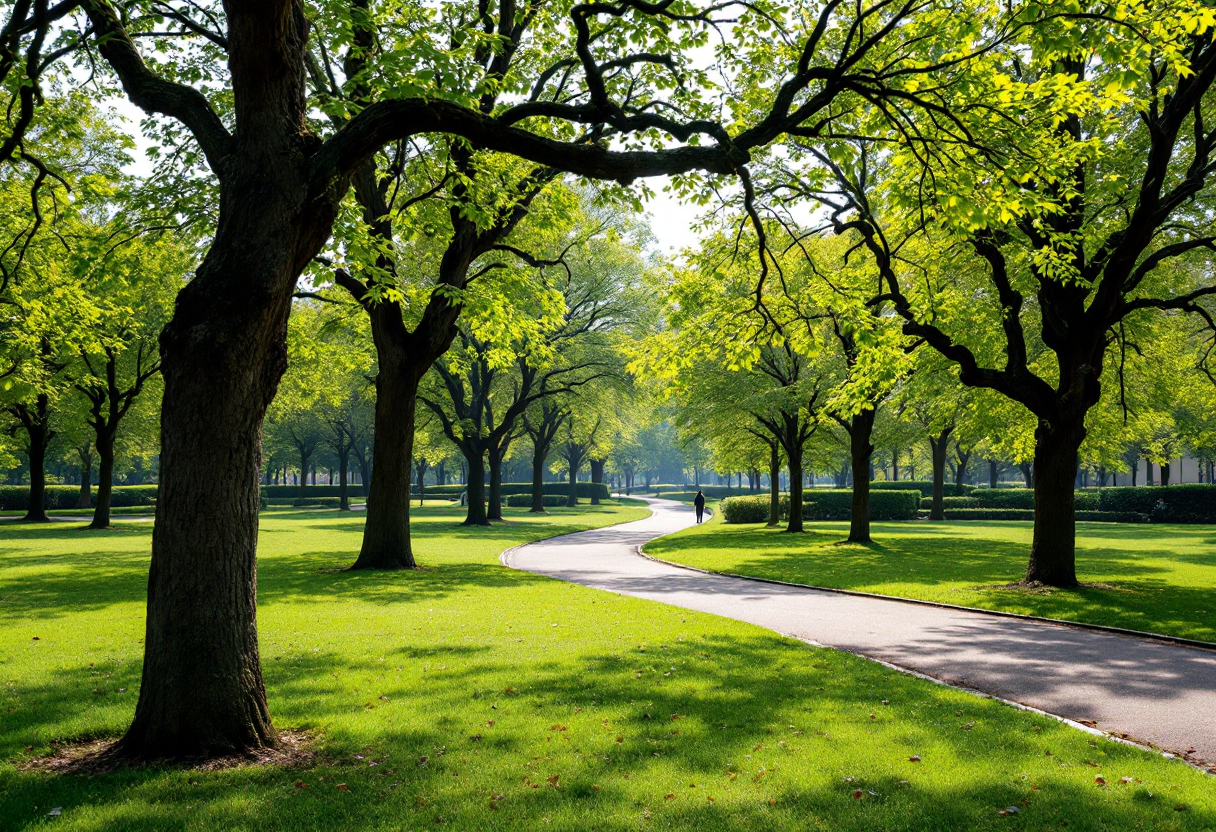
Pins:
<point x="1159" y="578"/>
<point x="466" y="696"/>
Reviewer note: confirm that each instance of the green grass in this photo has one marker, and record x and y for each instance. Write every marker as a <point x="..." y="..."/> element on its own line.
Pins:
<point x="1158" y="578"/>
<point x="466" y="696"/>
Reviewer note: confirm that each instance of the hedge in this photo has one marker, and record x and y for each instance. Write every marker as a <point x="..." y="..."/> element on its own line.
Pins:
<point x="824" y="504"/>
<point x="1028" y="515"/>
<point x="711" y="492"/>
<point x="584" y="490"/>
<point x="525" y="500"/>
<point x="17" y="497"/>
<point x="1169" y="504"/>
<point x="925" y="487"/>
<point x="293" y="491"/>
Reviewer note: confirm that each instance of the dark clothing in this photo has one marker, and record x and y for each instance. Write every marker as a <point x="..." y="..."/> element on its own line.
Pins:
<point x="699" y="504"/>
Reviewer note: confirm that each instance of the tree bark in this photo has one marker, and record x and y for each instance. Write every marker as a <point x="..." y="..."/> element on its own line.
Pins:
<point x="540" y="453"/>
<point x="105" y="481"/>
<point x="993" y="473"/>
<point x="386" y="533"/>
<point x="861" y="450"/>
<point x="572" y="494"/>
<point x="597" y="478"/>
<point x="794" y="456"/>
<point x="477" y="489"/>
<point x="1053" y="550"/>
<point x="495" y="508"/>
<point x="37" y="429"/>
<point x="1165" y="473"/>
<point x="938" y="445"/>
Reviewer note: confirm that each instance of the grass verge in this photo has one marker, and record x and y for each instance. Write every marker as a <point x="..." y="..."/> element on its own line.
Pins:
<point x="1156" y="578"/>
<point x="467" y="696"/>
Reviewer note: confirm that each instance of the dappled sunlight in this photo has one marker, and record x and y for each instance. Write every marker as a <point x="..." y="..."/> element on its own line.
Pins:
<point x="470" y="695"/>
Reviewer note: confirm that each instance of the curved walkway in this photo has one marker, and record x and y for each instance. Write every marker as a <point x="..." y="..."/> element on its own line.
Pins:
<point x="1151" y="692"/>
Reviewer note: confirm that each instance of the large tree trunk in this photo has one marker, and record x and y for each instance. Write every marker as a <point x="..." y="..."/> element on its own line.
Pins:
<point x="386" y="533"/>
<point x="39" y="433"/>
<point x="105" y="481"/>
<point x="860" y="450"/>
<point x="495" y="500"/>
<point x="938" y="445"/>
<point x="477" y="489"/>
<point x="993" y="473"/>
<point x="1165" y="473"/>
<point x="1053" y="550"/>
<point x="597" y="478"/>
<point x="894" y="464"/>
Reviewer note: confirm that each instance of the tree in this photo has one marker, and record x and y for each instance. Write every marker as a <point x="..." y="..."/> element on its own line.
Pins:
<point x="134" y="284"/>
<point x="1093" y="204"/>
<point x="282" y="185"/>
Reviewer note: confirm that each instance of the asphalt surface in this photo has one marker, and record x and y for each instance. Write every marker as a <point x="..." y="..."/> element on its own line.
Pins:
<point x="1150" y="692"/>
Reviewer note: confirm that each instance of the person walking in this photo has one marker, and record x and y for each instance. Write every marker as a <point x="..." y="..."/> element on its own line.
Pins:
<point x="699" y="503"/>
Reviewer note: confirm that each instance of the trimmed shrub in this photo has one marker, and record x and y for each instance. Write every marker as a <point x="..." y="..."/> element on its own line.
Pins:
<point x="711" y="492"/>
<point x="925" y="487"/>
<point x="584" y="490"/>
<point x="989" y="514"/>
<point x="16" y="497"/>
<point x="1113" y="517"/>
<point x="750" y="509"/>
<point x="318" y="502"/>
<point x="1189" y="503"/>
<point x="836" y="504"/>
<point x="1019" y="498"/>
<point x="525" y="500"/>
<point x="312" y="491"/>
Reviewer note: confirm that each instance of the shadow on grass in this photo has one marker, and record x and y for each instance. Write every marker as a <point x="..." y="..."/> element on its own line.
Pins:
<point x="768" y="729"/>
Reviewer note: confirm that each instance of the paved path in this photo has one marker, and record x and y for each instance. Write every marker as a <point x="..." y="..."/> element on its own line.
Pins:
<point x="1151" y="692"/>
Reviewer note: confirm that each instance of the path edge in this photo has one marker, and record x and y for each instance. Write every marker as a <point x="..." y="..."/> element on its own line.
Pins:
<point x="1176" y="641"/>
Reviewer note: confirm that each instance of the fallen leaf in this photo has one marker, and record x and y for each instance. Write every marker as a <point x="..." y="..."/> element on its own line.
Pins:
<point x="595" y="788"/>
<point x="857" y="794"/>
<point x="553" y="778"/>
<point x="383" y="698"/>
<point x="620" y="739"/>
<point x="872" y="716"/>
<point x="489" y="723"/>
<point x="1125" y="780"/>
<point x="1009" y="810"/>
<point x="1101" y="781"/>
<point x="342" y="787"/>
<point x="300" y="784"/>
<point x="668" y="796"/>
<point x="35" y="638"/>
<point x="915" y="758"/>
<point x="710" y="799"/>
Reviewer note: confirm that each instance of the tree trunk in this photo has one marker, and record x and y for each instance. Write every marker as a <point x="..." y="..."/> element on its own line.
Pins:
<point x="495" y="508"/>
<point x="894" y="464"/>
<point x="223" y="354"/>
<point x="993" y="473"/>
<point x="597" y="478"/>
<point x="794" y="454"/>
<point x="938" y="447"/>
<point x="386" y="533"/>
<point x="572" y="494"/>
<point x="85" y="500"/>
<point x="960" y="473"/>
<point x="343" y="492"/>
<point x="105" y="482"/>
<point x="1053" y="550"/>
<point x="861" y="451"/>
<point x="773" y="485"/>
<point x="540" y="454"/>
<point x="1165" y="473"/>
<point x="476" y="515"/>
<point x="1028" y="473"/>
<point x="38" y="432"/>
